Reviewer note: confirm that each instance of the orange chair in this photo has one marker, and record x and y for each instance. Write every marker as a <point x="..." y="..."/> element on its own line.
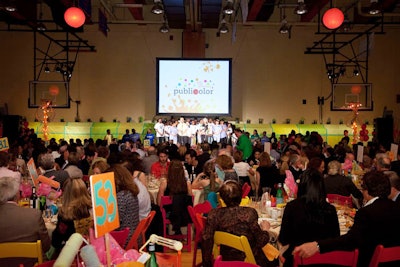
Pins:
<point x="340" y="258"/>
<point x="167" y="200"/>
<point x="246" y="188"/>
<point x="140" y="231"/>
<point x="341" y="200"/>
<point x="196" y="215"/>
<point x="169" y="259"/>
<point x="121" y="236"/>
<point x="219" y="263"/>
<point x="382" y="254"/>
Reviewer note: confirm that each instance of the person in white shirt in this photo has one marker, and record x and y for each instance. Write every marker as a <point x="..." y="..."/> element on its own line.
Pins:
<point x="217" y="131"/>
<point x="223" y="135"/>
<point x="173" y="133"/>
<point x="209" y="131"/>
<point x="193" y="132"/>
<point x="182" y="131"/>
<point x="159" y="128"/>
<point x="167" y="127"/>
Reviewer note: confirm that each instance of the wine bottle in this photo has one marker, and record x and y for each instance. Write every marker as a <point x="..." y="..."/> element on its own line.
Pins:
<point x="152" y="262"/>
<point x="34" y="200"/>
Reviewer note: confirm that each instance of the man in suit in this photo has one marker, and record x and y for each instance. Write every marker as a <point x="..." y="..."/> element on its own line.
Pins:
<point x="376" y="223"/>
<point x="394" y="185"/>
<point x="19" y="224"/>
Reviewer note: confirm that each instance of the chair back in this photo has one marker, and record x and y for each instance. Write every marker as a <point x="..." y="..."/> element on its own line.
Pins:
<point x="213" y="199"/>
<point x="140" y="231"/>
<point x="167" y="200"/>
<point x="382" y="254"/>
<point x="22" y="250"/>
<point x="237" y="242"/>
<point x="203" y="208"/>
<point x="169" y="259"/>
<point x="340" y="258"/>
<point x="120" y="236"/>
<point x="341" y="200"/>
<point x="246" y="188"/>
<point x="219" y="263"/>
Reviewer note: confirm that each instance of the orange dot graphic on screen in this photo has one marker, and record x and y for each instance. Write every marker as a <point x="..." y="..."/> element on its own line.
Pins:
<point x="195" y="91"/>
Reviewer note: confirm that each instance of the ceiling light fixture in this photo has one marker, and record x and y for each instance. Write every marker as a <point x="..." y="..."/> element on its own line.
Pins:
<point x="223" y="28"/>
<point x="301" y="8"/>
<point x="47" y="69"/>
<point x="164" y="27"/>
<point x="157" y="8"/>
<point x="228" y="8"/>
<point x="40" y="26"/>
<point x="356" y="72"/>
<point x="285" y="27"/>
<point x="375" y="7"/>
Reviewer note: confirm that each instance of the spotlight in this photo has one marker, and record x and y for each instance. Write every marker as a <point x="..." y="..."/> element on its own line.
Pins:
<point x="10" y="6"/>
<point x="342" y="71"/>
<point x="41" y="27"/>
<point x="356" y="72"/>
<point x="375" y="7"/>
<point x="157" y="8"/>
<point x="164" y="28"/>
<point x="223" y="28"/>
<point x="330" y="74"/>
<point x="285" y="27"/>
<point x="228" y="8"/>
<point x="301" y="8"/>
<point x="58" y="68"/>
<point x="47" y="69"/>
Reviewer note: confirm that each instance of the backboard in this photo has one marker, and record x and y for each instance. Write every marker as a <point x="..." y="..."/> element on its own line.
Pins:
<point x="345" y="94"/>
<point x="55" y="91"/>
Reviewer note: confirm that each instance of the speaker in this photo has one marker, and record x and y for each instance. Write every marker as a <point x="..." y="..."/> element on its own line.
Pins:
<point x="384" y="131"/>
<point x="11" y="125"/>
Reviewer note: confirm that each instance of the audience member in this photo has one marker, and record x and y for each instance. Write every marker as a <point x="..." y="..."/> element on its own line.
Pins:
<point x="47" y="163"/>
<point x="75" y="214"/>
<point x="242" y="168"/>
<point x="375" y="223"/>
<point x="127" y="199"/>
<point x="394" y="185"/>
<point x="236" y="220"/>
<point x="243" y="144"/>
<point x="207" y="179"/>
<point x="4" y="170"/>
<point x="309" y="217"/>
<point x="72" y="167"/>
<point x="18" y="224"/>
<point x="160" y="168"/>
<point x="148" y="160"/>
<point x="180" y="189"/>
<point x="335" y="183"/>
<point x="267" y="175"/>
<point x="224" y="168"/>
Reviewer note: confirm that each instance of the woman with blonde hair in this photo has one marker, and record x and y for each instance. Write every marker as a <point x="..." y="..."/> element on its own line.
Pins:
<point x="75" y="214"/>
<point x="207" y="179"/>
<point x="224" y="168"/>
<point x="100" y="167"/>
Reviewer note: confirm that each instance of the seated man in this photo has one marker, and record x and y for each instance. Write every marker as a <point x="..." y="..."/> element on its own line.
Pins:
<point x="376" y="223"/>
<point x="19" y="224"/>
<point x="47" y="165"/>
<point x="394" y="185"/>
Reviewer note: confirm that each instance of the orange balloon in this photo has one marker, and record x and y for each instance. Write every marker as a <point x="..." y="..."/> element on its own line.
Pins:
<point x="356" y="89"/>
<point x="333" y="18"/>
<point x="54" y="90"/>
<point x="74" y="17"/>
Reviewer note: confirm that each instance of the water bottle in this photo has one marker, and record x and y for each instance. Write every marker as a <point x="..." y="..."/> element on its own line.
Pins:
<point x="152" y="262"/>
<point x="279" y="194"/>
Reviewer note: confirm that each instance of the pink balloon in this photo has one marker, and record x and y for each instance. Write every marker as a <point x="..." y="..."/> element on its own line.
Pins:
<point x="366" y="138"/>
<point x="364" y="126"/>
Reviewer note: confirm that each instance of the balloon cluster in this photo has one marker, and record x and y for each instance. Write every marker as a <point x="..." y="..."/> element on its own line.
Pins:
<point x="364" y="133"/>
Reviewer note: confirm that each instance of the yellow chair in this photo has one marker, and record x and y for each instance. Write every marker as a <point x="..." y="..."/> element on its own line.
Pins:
<point x="22" y="250"/>
<point x="244" y="202"/>
<point x="237" y="242"/>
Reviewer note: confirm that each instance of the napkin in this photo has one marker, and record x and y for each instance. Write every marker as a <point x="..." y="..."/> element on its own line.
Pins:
<point x="270" y="252"/>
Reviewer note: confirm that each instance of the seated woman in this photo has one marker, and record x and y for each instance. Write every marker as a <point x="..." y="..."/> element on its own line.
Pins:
<point x="75" y="214"/>
<point x="236" y="220"/>
<point x="180" y="189"/>
<point x="224" y="168"/>
<point x="309" y="217"/>
<point x="127" y="199"/>
<point x="207" y="179"/>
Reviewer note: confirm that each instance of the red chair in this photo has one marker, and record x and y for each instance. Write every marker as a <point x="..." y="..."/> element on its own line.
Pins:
<point x="219" y="263"/>
<point x="120" y="236"/>
<point x="341" y="258"/>
<point x="197" y="219"/>
<point x="341" y="200"/>
<point x="246" y="188"/>
<point x="382" y="254"/>
<point x="140" y="231"/>
<point x="167" y="200"/>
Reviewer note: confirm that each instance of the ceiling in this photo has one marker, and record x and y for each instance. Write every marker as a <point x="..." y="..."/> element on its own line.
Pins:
<point x="192" y="15"/>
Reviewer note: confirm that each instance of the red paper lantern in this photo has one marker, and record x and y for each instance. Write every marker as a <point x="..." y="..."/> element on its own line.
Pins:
<point x="333" y="18"/>
<point x="54" y="90"/>
<point x="366" y="138"/>
<point x="363" y="126"/>
<point x="356" y="89"/>
<point x="74" y="17"/>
